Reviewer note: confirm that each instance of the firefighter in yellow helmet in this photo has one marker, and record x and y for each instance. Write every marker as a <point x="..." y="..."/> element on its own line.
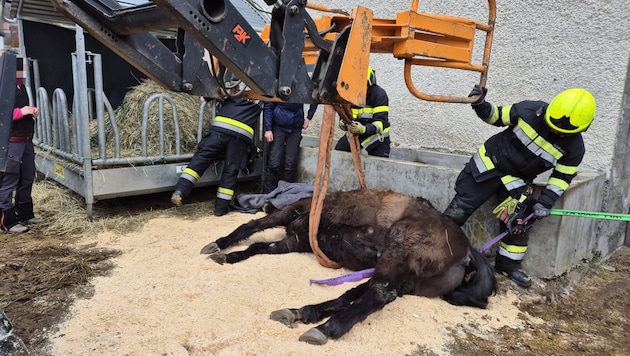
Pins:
<point x="538" y="137"/>
<point x="371" y="122"/>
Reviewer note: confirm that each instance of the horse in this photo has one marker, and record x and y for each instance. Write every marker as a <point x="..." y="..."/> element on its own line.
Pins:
<point x="413" y="248"/>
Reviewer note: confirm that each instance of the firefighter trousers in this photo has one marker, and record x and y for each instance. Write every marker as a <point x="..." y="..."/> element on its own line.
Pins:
<point x="469" y="196"/>
<point x="214" y="147"/>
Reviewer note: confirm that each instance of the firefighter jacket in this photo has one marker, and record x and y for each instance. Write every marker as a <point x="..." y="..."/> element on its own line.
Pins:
<point x="374" y="116"/>
<point x="237" y="117"/>
<point x="525" y="149"/>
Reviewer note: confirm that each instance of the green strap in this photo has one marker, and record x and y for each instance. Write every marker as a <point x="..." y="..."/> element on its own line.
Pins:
<point x="591" y="214"/>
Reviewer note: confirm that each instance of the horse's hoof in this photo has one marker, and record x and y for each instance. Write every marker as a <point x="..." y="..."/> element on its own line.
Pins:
<point x="219" y="258"/>
<point x="210" y="248"/>
<point x="314" y="337"/>
<point x="285" y="316"/>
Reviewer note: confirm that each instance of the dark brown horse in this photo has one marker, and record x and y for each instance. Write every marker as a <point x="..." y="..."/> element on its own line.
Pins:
<point x="414" y="248"/>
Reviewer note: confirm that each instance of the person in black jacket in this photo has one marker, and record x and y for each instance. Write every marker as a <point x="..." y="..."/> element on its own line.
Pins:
<point x="539" y="137"/>
<point x="283" y="123"/>
<point x="18" y="174"/>
<point x="371" y="122"/>
<point x="229" y="138"/>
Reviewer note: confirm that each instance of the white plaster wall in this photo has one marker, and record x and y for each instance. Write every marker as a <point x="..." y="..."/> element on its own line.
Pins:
<point x="540" y="48"/>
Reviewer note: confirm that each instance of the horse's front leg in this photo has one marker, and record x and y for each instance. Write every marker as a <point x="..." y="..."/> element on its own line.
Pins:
<point x="278" y="218"/>
<point x="292" y="243"/>
<point x="313" y="313"/>
<point x="379" y="291"/>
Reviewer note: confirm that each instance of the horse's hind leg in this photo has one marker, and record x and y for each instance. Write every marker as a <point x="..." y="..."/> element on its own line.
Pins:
<point x="316" y="312"/>
<point x="278" y="218"/>
<point x="288" y="244"/>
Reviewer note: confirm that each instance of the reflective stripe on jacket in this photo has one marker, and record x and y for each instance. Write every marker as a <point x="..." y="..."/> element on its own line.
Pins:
<point x="374" y="115"/>
<point x="373" y="140"/>
<point x="237" y="117"/>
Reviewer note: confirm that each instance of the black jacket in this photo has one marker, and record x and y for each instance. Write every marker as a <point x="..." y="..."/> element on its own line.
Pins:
<point x="26" y="125"/>
<point x="237" y="117"/>
<point x="375" y="114"/>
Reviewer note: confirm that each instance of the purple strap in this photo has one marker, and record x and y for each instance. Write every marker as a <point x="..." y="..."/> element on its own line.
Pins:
<point x="350" y="277"/>
<point x="489" y="244"/>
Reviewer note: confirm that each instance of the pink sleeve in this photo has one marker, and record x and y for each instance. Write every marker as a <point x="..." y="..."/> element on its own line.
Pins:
<point x="17" y="114"/>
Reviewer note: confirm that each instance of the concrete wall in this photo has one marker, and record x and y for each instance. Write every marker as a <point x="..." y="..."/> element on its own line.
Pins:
<point x="540" y="48"/>
<point x="557" y="243"/>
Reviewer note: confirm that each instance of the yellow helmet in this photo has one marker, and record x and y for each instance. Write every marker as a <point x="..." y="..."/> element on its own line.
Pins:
<point x="571" y="111"/>
<point x="371" y="77"/>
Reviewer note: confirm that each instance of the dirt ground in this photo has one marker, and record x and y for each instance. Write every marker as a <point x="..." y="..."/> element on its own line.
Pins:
<point x="142" y="287"/>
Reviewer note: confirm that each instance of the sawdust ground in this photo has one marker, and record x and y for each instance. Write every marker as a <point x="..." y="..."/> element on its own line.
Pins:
<point x="163" y="297"/>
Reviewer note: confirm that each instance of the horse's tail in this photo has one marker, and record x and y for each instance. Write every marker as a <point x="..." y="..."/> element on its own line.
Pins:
<point x="478" y="284"/>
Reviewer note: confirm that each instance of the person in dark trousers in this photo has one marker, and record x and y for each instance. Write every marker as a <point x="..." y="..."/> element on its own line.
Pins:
<point x="18" y="173"/>
<point x="371" y="122"/>
<point x="539" y="136"/>
<point x="283" y="123"/>
<point x="230" y="138"/>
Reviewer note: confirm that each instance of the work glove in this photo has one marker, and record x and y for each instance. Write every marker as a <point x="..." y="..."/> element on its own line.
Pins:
<point x="342" y="125"/>
<point x="477" y="90"/>
<point x="506" y="208"/>
<point x="516" y="223"/>
<point x="356" y="128"/>
<point x="541" y="211"/>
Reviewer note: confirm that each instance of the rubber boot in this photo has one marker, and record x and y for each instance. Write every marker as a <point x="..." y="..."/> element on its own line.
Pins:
<point x="221" y="207"/>
<point x="512" y="270"/>
<point x="518" y="276"/>
<point x="182" y="189"/>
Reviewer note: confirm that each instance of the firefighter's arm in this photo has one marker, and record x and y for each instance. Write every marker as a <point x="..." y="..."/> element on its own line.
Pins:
<point x="492" y="114"/>
<point x="557" y="184"/>
<point x="380" y="111"/>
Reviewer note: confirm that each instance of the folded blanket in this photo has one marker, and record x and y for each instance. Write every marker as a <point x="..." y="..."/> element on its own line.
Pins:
<point x="286" y="193"/>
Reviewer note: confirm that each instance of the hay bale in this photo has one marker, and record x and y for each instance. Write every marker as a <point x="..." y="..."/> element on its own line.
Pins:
<point x="129" y="116"/>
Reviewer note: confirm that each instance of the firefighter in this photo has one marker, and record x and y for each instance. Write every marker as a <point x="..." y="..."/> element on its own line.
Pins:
<point x="370" y="123"/>
<point x="539" y="137"/>
<point x="231" y="139"/>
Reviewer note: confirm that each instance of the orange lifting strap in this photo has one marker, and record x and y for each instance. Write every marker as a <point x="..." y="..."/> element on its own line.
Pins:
<point x="322" y="176"/>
